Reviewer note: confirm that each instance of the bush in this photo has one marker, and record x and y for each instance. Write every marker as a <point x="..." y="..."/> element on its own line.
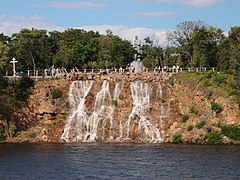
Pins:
<point x="220" y="79"/>
<point x="194" y="111"/>
<point x="200" y="124"/>
<point x="56" y="93"/>
<point x="2" y="138"/>
<point x="190" y="127"/>
<point x="177" y="138"/>
<point x="185" y="118"/>
<point x="114" y="103"/>
<point x="231" y="131"/>
<point x="216" y="107"/>
<point x="214" y="138"/>
<point x="32" y="135"/>
<point x="12" y="129"/>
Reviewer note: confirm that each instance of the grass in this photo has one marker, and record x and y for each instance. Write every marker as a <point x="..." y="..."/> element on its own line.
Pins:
<point x="216" y="107"/>
<point x="223" y="83"/>
<point x="56" y="93"/>
<point x="231" y="131"/>
<point x="214" y="138"/>
<point x="194" y="111"/>
<point x="177" y="138"/>
<point x="185" y="118"/>
<point x="200" y="124"/>
<point x="32" y="135"/>
<point x="190" y="128"/>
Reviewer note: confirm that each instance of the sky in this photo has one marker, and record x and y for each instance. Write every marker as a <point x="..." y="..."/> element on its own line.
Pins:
<point x="126" y="18"/>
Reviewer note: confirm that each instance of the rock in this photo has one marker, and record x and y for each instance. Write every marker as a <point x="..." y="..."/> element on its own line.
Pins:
<point x="45" y="138"/>
<point x="174" y="126"/>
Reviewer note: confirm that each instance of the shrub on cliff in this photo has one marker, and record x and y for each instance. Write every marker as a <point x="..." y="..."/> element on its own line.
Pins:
<point x="185" y="118"/>
<point x="177" y="138"/>
<point x="200" y="124"/>
<point x="2" y="138"/>
<point x="190" y="127"/>
<point x="56" y="93"/>
<point x="214" y="138"/>
<point x="216" y="107"/>
<point x="231" y="131"/>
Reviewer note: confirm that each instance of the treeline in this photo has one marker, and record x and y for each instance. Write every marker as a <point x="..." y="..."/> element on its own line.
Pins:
<point x="192" y="44"/>
<point x="38" y="49"/>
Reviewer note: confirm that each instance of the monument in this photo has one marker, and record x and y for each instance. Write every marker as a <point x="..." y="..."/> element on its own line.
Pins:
<point x="137" y="64"/>
<point x="14" y="65"/>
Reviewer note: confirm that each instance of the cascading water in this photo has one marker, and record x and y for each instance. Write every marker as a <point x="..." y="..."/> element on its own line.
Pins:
<point x="106" y="121"/>
<point x="103" y="113"/>
<point x="76" y="121"/>
<point x="140" y="112"/>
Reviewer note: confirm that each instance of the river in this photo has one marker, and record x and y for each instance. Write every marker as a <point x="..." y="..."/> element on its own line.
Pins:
<point x="118" y="161"/>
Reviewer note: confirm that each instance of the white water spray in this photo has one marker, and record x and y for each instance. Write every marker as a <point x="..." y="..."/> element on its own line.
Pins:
<point x="140" y="112"/>
<point x="76" y="121"/>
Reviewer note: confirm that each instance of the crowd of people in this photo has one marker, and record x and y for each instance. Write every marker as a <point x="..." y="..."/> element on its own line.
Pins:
<point x="69" y="73"/>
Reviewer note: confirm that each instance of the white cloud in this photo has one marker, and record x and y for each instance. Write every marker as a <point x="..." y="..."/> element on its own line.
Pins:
<point x="13" y="24"/>
<point x="158" y="36"/>
<point x="157" y="14"/>
<point x="72" y="5"/>
<point x="193" y="3"/>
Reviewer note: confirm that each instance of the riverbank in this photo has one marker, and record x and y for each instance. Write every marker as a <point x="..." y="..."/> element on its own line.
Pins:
<point x="190" y="112"/>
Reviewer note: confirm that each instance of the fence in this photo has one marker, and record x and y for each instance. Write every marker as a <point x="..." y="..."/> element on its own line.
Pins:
<point x="60" y="72"/>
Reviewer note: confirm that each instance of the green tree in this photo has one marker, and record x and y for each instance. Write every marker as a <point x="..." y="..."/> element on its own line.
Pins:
<point x="32" y="48"/>
<point x="113" y="51"/>
<point x="205" y="46"/>
<point x="228" y="52"/>
<point x="234" y="60"/>
<point x="4" y="49"/>
<point x="182" y="37"/>
<point x="4" y="39"/>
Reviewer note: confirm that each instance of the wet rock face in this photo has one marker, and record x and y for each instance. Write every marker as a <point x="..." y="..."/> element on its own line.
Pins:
<point x="118" y="109"/>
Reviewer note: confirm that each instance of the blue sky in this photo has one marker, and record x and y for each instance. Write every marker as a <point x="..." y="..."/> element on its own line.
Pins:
<point x="126" y="18"/>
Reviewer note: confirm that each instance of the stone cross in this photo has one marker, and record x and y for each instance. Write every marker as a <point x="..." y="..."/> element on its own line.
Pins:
<point x="14" y="65"/>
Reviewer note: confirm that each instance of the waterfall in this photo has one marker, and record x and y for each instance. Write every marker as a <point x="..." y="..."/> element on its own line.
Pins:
<point x="103" y="112"/>
<point x="78" y="116"/>
<point x="105" y="120"/>
<point x="140" y="112"/>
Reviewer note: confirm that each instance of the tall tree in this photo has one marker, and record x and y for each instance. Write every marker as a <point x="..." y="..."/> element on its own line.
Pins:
<point x="234" y="61"/>
<point x="205" y="46"/>
<point x="3" y="55"/>
<point x="182" y="38"/>
<point x="32" y="48"/>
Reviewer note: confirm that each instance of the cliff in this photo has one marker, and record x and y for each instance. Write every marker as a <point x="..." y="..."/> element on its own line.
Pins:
<point x="138" y="107"/>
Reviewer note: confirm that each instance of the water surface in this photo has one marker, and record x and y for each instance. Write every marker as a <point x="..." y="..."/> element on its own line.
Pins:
<point x="118" y="161"/>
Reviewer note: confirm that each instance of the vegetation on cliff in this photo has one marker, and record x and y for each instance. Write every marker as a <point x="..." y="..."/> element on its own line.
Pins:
<point x="14" y="94"/>
<point x="205" y="118"/>
<point x="223" y="83"/>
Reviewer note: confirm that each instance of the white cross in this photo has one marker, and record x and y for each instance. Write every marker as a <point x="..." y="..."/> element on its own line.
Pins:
<point x="14" y="65"/>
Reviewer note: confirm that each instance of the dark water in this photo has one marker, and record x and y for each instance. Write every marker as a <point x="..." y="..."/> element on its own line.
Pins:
<point x="118" y="161"/>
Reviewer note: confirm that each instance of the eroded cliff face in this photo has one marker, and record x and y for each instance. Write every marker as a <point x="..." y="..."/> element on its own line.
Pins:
<point x="121" y="108"/>
<point x="196" y="102"/>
